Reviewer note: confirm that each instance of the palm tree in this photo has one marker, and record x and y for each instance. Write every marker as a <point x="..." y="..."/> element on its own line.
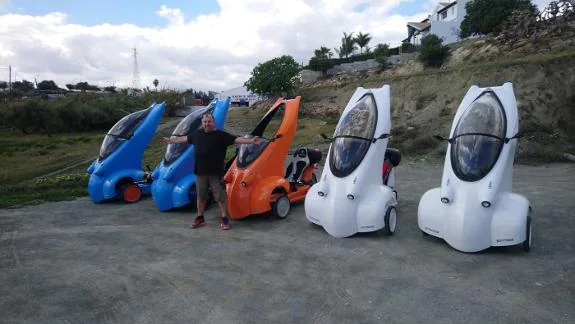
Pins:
<point x="340" y="51"/>
<point x="323" y="53"/>
<point x="362" y="40"/>
<point x="156" y="82"/>
<point x="347" y="44"/>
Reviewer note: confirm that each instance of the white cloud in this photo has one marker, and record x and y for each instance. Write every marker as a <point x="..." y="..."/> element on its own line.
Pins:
<point x="210" y="52"/>
<point x="174" y="16"/>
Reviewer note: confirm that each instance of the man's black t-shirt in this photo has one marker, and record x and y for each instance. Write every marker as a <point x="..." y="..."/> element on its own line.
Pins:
<point x="210" y="150"/>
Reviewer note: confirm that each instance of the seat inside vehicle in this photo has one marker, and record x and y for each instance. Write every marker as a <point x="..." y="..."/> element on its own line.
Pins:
<point x="300" y="160"/>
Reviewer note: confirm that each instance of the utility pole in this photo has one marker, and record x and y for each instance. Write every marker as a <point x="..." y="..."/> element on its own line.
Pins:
<point x="9" y="78"/>
<point x="136" y="83"/>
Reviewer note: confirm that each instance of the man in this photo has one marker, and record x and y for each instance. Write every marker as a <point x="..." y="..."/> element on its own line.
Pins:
<point x="210" y="145"/>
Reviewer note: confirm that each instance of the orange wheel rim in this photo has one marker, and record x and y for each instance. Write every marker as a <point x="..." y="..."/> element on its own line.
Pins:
<point x="132" y="193"/>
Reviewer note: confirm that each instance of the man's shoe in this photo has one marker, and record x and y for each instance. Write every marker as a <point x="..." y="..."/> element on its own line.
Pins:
<point x="225" y="223"/>
<point x="199" y="221"/>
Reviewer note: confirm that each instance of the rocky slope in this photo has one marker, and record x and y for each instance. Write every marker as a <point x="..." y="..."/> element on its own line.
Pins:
<point x="424" y="101"/>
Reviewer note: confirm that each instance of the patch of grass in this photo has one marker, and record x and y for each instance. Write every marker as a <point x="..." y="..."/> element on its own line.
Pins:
<point x="28" y="156"/>
<point x="445" y="111"/>
<point x="424" y="100"/>
<point x="55" y="188"/>
<point x="25" y="157"/>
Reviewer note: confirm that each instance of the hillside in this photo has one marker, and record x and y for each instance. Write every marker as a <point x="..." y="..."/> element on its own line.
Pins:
<point x="424" y="101"/>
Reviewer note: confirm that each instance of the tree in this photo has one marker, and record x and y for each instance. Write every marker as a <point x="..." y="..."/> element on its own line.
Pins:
<point x="340" y="52"/>
<point x="156" y="82"/>
<point x="432" y="51"/>
<point x="362" y="40"/>
<point x="347" y="45"/>
<point x="274" y="77"/>
<point x="321" y="61"/>
<point x="85" y="86"/>
<point x="487" y="16"/>
<point x="380" y="53"/>
<point x="23" y="85"/>
<point x="3" y="84"/>
<point x="323" y="53"/>
<point x="47" y="85"/>
<point x="70" y="86"/>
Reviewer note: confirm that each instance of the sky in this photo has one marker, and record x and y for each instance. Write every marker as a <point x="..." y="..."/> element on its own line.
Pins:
<point x="200" y="44"/>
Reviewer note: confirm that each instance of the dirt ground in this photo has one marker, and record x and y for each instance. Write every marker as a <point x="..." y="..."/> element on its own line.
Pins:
<point x="76" y="262"/>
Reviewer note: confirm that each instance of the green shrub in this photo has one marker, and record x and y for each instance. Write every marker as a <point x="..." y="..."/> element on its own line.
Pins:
<point x="317" y="64"/>
<point x="432" y="52"/>
<point x="380" y="53"/>
<point x="78" y="112"/>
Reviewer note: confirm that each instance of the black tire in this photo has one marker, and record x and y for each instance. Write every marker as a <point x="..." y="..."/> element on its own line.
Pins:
<point x="281" y="207"/>
<point x="390" y="220"/>
<point x="527" y="243"/>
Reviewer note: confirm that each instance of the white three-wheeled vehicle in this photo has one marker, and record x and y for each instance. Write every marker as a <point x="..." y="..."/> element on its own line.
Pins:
<point x="474" y="208"/>
<point x="352" y="194"/>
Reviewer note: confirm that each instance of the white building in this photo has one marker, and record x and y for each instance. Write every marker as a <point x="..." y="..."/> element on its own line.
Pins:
<point x="444" y="22"/>
<point x="240" y="96"/>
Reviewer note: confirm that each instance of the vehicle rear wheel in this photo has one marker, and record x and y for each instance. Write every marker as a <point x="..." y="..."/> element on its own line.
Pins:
<point x="527" y="242"/>
<point x="281" y="207"/>
<point x="390" y="220"/>
<point x="131" y="192"/>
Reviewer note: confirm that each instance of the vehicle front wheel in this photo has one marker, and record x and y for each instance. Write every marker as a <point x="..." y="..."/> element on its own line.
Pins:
<point x="390" y="220"/>
<point x="281" y="207"/>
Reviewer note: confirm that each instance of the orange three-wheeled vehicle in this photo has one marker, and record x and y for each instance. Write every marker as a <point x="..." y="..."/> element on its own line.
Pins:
<point x="258" y="180"/>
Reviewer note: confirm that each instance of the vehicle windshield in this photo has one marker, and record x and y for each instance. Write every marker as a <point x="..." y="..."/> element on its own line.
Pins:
<point x="353" y="136"/>
<point x="478" y="138"/>
<point x="122" y="131"/>
<point x="247" y="153"/>
<point x="267" y="127"/>
<point x="187" y="126"/>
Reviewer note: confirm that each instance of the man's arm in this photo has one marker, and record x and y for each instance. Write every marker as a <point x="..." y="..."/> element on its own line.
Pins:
<point x="176" y="140"/>
<point x="243" y="140"/>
